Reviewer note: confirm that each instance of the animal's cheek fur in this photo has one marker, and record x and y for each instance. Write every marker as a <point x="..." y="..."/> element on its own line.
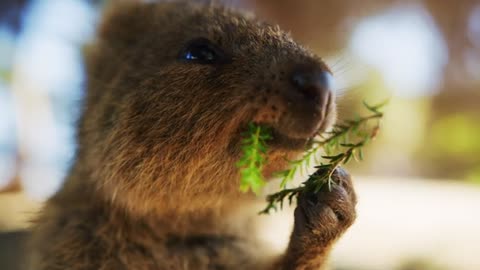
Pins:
<point x="155" y="153"/>
<point x="269" y="109"/>
<point x="148" y="175"/>
<point x="265" y="100"/>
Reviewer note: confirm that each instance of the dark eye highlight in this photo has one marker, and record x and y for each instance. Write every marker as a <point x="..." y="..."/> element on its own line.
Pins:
<point x="202" y="51"/>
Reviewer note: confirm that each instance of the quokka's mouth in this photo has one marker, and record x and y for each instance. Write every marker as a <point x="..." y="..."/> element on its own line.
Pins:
<point x="283" y="141"/>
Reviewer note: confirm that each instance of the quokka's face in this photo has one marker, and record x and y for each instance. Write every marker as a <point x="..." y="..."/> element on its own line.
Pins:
<point x="212" y="61"/>
<point x="190" y="78"/>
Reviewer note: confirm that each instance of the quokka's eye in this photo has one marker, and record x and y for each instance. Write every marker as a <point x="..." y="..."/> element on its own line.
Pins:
<point x="202" y="51"/>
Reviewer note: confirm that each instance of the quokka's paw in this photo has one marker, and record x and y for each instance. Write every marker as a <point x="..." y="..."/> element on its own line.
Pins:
<point x="322" y="217"/>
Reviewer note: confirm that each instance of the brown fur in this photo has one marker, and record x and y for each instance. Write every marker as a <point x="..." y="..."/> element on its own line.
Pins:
<point x="154" y="184"/>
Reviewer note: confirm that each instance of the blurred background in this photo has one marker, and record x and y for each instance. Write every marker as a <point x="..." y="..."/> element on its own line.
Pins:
<point x="419" y="186"/>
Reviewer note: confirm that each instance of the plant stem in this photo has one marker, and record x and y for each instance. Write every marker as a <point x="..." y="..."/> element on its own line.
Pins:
<point x="325" y="171"/>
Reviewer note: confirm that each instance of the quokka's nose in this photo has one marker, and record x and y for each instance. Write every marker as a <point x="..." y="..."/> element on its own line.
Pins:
<point x="312" y="82"/>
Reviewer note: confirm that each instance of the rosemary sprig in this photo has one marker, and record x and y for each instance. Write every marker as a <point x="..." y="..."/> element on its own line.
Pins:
<point x="322" y="176"/>
<point x="251" y="163"/>
<point x="339" y="137"/>
<point x="254" y="150"/>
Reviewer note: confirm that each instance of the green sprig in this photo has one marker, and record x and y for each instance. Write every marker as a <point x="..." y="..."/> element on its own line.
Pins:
<point x="338" y="147"/>
<point x="254" y="150"/>
<point x="339" y="137"/>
